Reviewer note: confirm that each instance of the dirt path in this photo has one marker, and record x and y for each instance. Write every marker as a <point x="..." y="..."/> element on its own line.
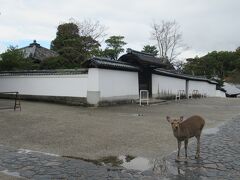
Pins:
<point x="96" y="132"/>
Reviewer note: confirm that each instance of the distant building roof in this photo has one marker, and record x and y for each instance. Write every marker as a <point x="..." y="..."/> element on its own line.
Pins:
<point x="37" y="52"/>
<point x="142" y="59"/>
<point x="231" y="90"/>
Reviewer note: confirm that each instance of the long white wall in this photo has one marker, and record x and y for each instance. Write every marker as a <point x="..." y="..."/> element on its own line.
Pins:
<point x="166" y="84"/>
<point x="99" y="85"/>
<point x="171" y="85"/>
<point x="46" y="85"/>
<point x="202" y="87"/>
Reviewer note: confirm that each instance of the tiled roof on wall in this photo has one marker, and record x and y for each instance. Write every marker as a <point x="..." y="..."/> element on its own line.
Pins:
<point x="172" y="73"/>
<point x="44" y="72"/>
<point x="105" y="63"/>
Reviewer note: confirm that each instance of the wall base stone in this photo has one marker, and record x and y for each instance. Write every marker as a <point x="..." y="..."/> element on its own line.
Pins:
<point x="53" y="99"/>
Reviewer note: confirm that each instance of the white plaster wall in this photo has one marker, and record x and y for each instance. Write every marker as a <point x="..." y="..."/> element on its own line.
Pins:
<point x="220" y="94"/>
<point x="168" y="84"/>
<point x="202" y="87"/>
<point x="46" y="85"/>
<point x="115" y="83"/>
<point x="93" y="79"/>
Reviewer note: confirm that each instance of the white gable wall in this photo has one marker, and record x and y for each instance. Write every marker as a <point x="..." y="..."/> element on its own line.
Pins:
<point x="110" y="85"/>
<point x="117" y="84"/>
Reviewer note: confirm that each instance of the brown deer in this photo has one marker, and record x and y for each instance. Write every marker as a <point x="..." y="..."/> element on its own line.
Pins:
<point x="186" y="129"/>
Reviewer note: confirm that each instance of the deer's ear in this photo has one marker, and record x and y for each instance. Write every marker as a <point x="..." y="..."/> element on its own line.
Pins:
<point x="181" y="118"/>
<point x="168" y="119"/>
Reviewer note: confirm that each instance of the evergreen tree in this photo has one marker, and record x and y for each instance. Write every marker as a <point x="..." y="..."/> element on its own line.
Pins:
<point x="150" y="50"/>
<point x="114" y="46"/>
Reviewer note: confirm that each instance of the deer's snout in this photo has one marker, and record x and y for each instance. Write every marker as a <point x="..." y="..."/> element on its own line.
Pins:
<point x="175" y="126"/>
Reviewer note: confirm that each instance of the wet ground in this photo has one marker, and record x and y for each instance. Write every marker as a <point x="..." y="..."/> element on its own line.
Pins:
<point x="220" y="159"/>
<point x="220" y="156"/>
<point x="122" y="136"/>
<point x="93" y="133"/>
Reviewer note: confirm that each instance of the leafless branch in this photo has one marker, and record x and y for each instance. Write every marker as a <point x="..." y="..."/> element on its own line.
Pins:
<point x="92" y="28"/>
<point x="168" y="38"/>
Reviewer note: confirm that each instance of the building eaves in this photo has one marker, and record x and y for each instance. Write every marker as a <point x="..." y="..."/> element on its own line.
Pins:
<point x="143" y="59"/>
<point x="105" y="63"/>
<point x="176" y="74"/>
<point x="44" y="72"/>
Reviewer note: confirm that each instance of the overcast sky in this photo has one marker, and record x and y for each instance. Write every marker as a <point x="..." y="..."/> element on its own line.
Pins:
<point x="206" y="25"/>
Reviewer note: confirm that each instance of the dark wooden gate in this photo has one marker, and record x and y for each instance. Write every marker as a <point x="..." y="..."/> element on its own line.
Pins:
<point x="145" y="80"/>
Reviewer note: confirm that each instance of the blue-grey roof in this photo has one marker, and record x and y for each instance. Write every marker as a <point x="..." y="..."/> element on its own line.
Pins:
<point x="231" y="89"/>
<point x="37" y="52"/>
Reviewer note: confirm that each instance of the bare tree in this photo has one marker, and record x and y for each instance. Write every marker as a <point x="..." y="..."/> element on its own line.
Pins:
<point x="168" y="38"/>
<point x="91" y="28"/>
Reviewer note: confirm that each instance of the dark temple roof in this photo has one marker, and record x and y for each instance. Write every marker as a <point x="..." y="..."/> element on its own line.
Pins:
<point x="37" y="52"/>
<point x="106" y="63"/>
<point x="142" y="59"/>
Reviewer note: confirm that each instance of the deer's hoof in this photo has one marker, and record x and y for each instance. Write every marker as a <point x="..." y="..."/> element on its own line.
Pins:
<point x="197" y="157"/>
<point x="177" y="159"/>
<point x="181" y="160"/>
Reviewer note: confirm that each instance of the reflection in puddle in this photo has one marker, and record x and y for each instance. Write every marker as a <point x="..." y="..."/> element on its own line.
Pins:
<point x="136" y="163"/>
<point x="128" y="162"/>
<point x="15" y="174"/>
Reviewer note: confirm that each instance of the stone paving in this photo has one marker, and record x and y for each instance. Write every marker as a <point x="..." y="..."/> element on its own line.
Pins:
<point x="220" y="156"/>
<point x="36" y="165"/>
<point x="220" y="159"/>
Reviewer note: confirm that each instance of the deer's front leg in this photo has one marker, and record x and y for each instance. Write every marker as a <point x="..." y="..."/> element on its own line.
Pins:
<point x="185" y="146"/>
<point x="179" y="147"/>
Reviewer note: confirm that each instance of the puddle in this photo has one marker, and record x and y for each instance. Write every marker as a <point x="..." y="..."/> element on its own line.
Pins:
<point x="15" y="174"/>
<point x="128" y="162"/>
<point x="27" y="151"/>
<point x="211" y="130"/>
<point x="136" y="163"/>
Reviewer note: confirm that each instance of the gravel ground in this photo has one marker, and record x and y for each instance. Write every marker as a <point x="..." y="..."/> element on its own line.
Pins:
<point x="97" y="132"/>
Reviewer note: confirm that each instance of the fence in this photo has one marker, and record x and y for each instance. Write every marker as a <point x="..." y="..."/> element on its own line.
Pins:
<point x="10" y="100"/>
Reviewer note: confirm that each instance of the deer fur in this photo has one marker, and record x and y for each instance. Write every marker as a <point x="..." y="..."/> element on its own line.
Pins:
<point x="186" y="129"/>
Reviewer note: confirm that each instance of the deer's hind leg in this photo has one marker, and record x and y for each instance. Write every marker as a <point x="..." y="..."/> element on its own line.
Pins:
<point x="179" y="148"/>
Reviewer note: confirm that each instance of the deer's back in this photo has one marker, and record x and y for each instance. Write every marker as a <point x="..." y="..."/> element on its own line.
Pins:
<point x="192" y="126"/>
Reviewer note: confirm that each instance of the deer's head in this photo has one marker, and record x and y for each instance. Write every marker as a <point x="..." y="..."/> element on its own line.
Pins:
<point x="175" y="123"/>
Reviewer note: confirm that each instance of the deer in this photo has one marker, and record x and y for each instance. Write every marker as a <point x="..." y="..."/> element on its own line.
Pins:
<point x="183" y="130"/>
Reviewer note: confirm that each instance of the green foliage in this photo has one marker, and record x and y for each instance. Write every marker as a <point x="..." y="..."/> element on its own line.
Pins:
<point x="58" y="63"/>
<point x="13" y="59"/>
<point x="220" y="64"/>
<point x="150" y="49"/>
<point x="114" y="46"/>
<point x="73" y="47"/>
